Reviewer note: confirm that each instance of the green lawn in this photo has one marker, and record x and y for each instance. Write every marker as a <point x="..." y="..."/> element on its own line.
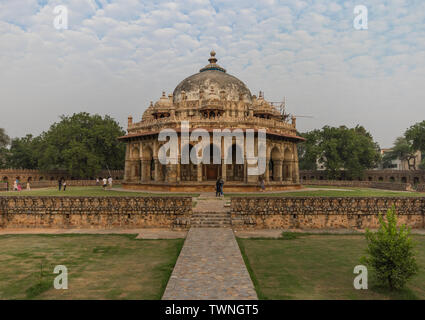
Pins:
<point x="346" y="192"/>
<point x="99" y="266"/>
<point x="318" y="267"/>
<point x="89" y="192"/>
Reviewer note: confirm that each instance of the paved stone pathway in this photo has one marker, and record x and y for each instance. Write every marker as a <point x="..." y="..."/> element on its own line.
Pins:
<point x="210" y="267"/>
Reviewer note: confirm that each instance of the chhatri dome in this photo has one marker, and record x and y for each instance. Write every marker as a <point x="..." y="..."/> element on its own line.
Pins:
<point x="212" y="76"/>
<point x="210" y="99"/>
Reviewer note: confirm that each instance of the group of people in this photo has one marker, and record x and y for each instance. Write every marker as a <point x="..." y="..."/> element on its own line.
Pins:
<point x="105" y="182"/>
<point x="62" y="184"/>
<point x="17" y="186"/>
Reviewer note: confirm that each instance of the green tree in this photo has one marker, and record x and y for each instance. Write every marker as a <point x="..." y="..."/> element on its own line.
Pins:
<point x="309" y="151"/>
<point x="415" y="136"/>
<point x="82" y="144"/>
<point x="24" y="152"/>
<point x="4" y="142"/>
<point x="390" y="252"/>
<point x="351" y="150"/>
<point x="403" y="149"/>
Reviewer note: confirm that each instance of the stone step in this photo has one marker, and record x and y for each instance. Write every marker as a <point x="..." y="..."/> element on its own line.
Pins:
<point x="211" y="225"/>
<point x="213" y="215"/>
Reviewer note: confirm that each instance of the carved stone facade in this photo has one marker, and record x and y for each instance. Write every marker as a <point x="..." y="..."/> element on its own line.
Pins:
<point x="398" y="176"/>
<point x="95" y="212"/>
<point x="323" y="212"/>
<point x="211" y="99"/>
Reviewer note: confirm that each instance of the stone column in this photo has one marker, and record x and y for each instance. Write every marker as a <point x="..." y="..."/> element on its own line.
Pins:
<point x="178" y="173"/>
<point x="267" y="173"/>
<point x="223" y="170"/>
<point x="146" y="167"/>
<point x="156" y="173"/>
<point x="199" y="167"/>
<point x="277" y="170"/>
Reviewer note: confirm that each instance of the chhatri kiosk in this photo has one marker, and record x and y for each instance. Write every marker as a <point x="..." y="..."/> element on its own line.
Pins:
<point x="210" y="99"/>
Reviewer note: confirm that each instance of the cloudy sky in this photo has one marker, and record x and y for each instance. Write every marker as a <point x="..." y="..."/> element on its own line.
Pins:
<point x="116" y="56"/>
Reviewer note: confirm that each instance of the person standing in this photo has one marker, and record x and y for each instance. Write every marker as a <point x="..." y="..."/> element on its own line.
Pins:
<point x="262" y="185"/>
<point x="104" y="183"/>
<point x="97" y="181"/>
<point x="15" y="185"/>
<point x="64" y="185"/>
<point x="217" y="187"/>
<point x="28" y="186"/>
<point x="110" y="182"/>
<point x="60" y="184"/>
<point x="221" y="183"/>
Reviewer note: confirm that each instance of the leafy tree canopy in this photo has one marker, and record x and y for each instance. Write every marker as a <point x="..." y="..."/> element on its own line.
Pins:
<point x="4" y="142"/>
<point x="23" y="152"/>
<point x="339" y="148"/>
<point x="415" y="135"/>
<point x="82" y="144"/>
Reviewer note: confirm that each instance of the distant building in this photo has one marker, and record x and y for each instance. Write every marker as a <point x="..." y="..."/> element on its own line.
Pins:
<point x="400" y="164"/>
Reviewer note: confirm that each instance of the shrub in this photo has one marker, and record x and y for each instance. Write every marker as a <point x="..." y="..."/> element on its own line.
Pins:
<point x="391" y="252"/>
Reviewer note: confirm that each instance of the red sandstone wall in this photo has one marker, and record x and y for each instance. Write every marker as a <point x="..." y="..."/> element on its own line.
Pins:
<point x="323" y="212"/>
<point x="95" y="212"/>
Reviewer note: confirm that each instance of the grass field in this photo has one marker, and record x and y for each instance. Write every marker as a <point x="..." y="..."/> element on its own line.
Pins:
<point x="88" y="192"/>
<point x="99" y="266"/>
<point x="318" y="267"/>
<point x="344" y="192"/>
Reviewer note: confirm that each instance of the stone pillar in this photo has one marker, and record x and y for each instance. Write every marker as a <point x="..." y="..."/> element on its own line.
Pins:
<point x="277" y="170"/>
<point x="178" y="173"/>
<point x="146" y="168"/>
<point x="289" y="178"/>
<point x="199" y="167"/>
<point x="127" y="170"/>
<point x="267" y="173"/>
<point x="156" y="173"/>
<point x="223" y="170"/>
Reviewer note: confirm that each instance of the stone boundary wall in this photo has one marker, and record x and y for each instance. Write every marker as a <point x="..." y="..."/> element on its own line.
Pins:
<point x="54" y="183"/>
<point x="420" y="187"/>
<point x="95" y="212"/>
<point x="25" y="175"/>
<point x="361" y="184"/>
<point x="398" y="176"/>
<point x="323" y="212"/>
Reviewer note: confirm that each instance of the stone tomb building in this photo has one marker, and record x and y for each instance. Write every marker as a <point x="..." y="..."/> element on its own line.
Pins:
<point x="211" y="99"/>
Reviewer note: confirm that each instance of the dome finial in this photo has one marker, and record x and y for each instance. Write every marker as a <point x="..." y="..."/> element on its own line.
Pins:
<point x="212" y="59"/>
<point x="213" y="64"/>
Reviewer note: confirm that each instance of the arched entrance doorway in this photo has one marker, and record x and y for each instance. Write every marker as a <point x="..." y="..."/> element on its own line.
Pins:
<point x="235" y="171"/>
<point x="189" y="172"/>
<point x="211" y="171"/>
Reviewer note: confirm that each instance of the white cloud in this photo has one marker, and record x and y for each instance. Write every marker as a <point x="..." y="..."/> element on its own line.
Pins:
<point x="119" y="55"/>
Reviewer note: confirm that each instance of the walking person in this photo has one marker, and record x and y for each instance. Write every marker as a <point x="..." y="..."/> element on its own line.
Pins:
<point x="60" y="184"/>
<point x="105" y="182"/>
<point x="221" y="184"/>
<point x="217" y="187"/>
<point x="262" y="185"/>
